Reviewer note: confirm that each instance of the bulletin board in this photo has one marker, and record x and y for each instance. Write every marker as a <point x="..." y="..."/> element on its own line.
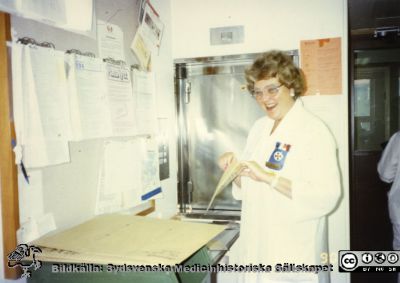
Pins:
<point x="69" y="190"/>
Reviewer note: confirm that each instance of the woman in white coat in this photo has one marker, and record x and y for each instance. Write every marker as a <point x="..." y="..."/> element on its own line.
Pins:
<point x="291" y="180"/>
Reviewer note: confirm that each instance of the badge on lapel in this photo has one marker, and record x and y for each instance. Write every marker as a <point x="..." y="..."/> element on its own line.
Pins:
<point x="278" y="156"/>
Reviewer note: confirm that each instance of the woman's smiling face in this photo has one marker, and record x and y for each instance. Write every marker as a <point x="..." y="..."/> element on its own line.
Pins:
<point x="273" y="97"/>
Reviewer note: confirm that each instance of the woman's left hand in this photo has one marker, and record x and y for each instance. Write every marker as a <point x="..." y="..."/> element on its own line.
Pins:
<point x="255" y="172"/>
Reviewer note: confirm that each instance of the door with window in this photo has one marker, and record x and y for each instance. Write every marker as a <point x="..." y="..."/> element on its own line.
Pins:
<point x="374" y="117"/>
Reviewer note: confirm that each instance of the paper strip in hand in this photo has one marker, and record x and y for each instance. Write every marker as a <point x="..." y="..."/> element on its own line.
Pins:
<point x="229" y="175"/>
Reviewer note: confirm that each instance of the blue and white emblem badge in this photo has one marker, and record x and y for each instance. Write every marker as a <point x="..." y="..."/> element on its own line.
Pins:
<point x="278" y="156"/>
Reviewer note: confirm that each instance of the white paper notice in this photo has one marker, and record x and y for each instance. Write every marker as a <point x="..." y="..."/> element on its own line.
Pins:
<point x="36" y="227"/>
<point x="144" y="91"/>
<point x="30" y="195"/>
<point x="81" y="21"/>
<point x="106" y="203"/>
<point x="151" y="186"/>
<point x="17" y="89"/>
<point x="52" y="11"/>
<point x="41" y="153"/>
<point x="32" y="122"/>
<point x="88" y="98"/>
<point x="110" y="40"/>
<point x="120" y="99"/>
<point x="141" y="50"/>
<point x="41" y="105"/>
<point x="122" y="166"/>
<point x="152" y="28"/>
<point x="119" y="185"/>
<point x="27" y="232"/>
<point x="148" y="36"/>
<point x="59" y="13"/>
<point x="52" y="92"/>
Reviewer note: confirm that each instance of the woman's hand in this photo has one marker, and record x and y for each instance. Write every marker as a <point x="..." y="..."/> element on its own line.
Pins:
<point x="255" y="172"/>
<point x="226" y="159"/>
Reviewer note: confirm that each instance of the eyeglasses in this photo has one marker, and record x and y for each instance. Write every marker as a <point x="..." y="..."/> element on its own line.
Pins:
<point x="271" y="90"/>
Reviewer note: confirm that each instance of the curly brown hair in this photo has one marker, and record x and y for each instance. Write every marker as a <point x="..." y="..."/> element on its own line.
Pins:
<point x="277" y="64"/>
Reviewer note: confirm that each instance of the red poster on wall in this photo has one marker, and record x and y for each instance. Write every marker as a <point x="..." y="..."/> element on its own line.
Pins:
<point x="321" y="63"/>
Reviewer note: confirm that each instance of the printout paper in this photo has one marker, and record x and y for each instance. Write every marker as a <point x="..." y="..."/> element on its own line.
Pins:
<point x="59" y="13"/>
<point x="229" y="175"/>
<point x="30" y="195"/>
<point x="40" y="104"/>
<point x="322" y="64"/>
<point x="120" y="99"/>
<point x="151" y="186"/>
<point x="110" y="39"/>
<point x="141" y="50"/>
<point x="90" y="110"/>
<point x="144" y="91"/>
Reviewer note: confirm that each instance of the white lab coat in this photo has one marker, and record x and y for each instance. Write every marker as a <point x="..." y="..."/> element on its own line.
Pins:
<point x="389" y="171"/>
<point x="276" y="229"/>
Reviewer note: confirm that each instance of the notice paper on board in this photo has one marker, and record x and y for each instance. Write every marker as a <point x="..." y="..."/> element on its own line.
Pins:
<point x="119" y="184"/>
<point x="88" y="97"/>
<point x="40" y="105"/>
<point x="151" y="185"/>
<point x="58" y="13"/>
<point x="110" y="39"/>
<point x="128" y="175"/>
<point x="144" y="89"/>
<point x="151" y="28"/>
<point x="141" y="50"/>
<point x="120" y="100"/>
